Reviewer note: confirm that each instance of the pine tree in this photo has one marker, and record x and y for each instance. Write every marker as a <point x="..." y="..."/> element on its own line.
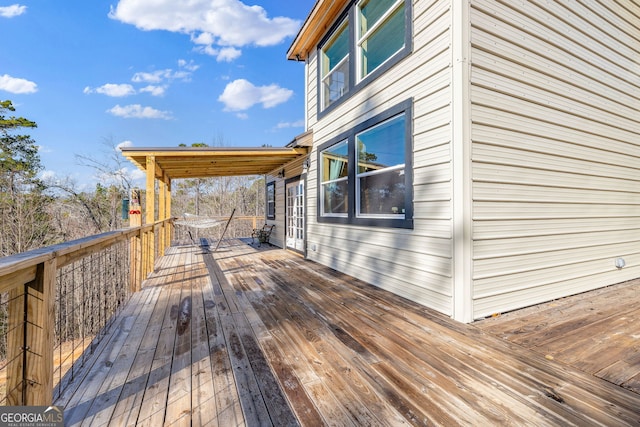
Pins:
<point x="24" y="221"/>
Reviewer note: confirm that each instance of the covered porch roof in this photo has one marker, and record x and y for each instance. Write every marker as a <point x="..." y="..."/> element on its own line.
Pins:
<point x="206" y="162"/>
<point x="164" y="164"/>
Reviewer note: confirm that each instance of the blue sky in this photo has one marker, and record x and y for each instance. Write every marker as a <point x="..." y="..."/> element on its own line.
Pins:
<point x="151" y="73"/>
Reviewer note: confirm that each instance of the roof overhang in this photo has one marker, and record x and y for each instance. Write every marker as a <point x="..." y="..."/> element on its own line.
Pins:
<point x="205" y="162"/>
<point x="320" y="18"/>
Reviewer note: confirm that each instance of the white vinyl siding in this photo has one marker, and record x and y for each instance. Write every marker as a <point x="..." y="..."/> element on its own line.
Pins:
<point x="415" y="263"/>
<point x="556" y="149"/>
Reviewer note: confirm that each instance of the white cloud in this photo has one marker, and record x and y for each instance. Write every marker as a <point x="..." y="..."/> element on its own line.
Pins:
<point x="228" y="54"/>
<point x="242" y="116"/>
<point x="12" y="11"/>
<point x="155" y="77"/>
<point x="16" y="85"/>
<point x="124" y="144"/>
<point x="159" y="76"/>
<point x="154" y="90"/>
<point x="137" y="111"/>
<point x="157" y="81"/>
<point x="136" y="174"/>
<point x="205" y="42"/>
<point x="212" y="24"/>
<point x="240" y="95"/>
<point x="287" y="125"/>
<point x="189" y="66"/>
<point x="48" y="175"/>
<point x="111" y="89"/>
<point x="44" y="149"/>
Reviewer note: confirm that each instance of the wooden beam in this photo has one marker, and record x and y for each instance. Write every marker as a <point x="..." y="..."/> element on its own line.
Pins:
<point x="15" y="347"/>
<point x="162" y="214"/>
<point x="320" y="19"/>
<point x="150" y="215"/>
<point x="39" y="327"/>
<point x="17" y="279"/>
<point x="208" y="162"/>
<point x="169" y="225"/>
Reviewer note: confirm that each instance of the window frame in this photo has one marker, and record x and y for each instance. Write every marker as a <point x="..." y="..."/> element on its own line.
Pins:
<point x="355" y="82"/>
<point x="321" y="51"/>
<point x="325" y="181"/>
<point x="360" y="40"/>
<point x="353" y="217"/>
<point x="270" y="205"/>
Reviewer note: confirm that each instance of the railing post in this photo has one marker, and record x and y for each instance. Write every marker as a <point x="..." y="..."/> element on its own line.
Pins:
<point x="15" y="346"/>
<point x="135" y="245"/>
<point x="135" y="260"/>
<point x="39" y="336"/>
<point x="150" y="213"/>
<point x="30" y="337"/>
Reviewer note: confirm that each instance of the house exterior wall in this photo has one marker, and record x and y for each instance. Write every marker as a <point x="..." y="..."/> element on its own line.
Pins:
<point x="415" y="263"/>
<point x="555" y="129"/>
<point x="291" y="170"/>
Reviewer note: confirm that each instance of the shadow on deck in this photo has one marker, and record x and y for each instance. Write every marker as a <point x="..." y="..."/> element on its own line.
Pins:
<point x="248" y="336"/>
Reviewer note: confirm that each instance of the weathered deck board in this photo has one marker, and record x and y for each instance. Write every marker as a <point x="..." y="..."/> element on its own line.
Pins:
<point x="248" y="336"/>
<point x="596" y="332"/>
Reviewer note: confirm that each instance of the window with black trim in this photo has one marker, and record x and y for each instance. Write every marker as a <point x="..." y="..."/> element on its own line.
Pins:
<point x="334" y="181"/>
<point x="271" y="200"/>
<point x="381" y="33"/>
<point x="371" y="37"/>
<point x="334" y="69"/>
<point x="366" y="174"/>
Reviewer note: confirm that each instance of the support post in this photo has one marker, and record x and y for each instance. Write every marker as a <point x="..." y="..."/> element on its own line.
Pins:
<point x="135" y="243"/>
<point x="162" y="215"/>
<point x="30" y="339"/>
<point x="39" y="336"/>
<point x="150" y="216"/>
<point x="15" y="346"/>
<point x="169" y="226"/>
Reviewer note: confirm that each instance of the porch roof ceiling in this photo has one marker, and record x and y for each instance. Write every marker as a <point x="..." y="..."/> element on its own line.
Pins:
<point x="205" y="162"/>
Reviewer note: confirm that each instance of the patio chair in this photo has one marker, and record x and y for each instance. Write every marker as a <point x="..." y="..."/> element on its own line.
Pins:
<point x="262" y="234"/>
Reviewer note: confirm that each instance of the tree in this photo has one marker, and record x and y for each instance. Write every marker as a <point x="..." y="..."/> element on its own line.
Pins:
<point x="111" y="166"/>
<point x="24" y="220"/>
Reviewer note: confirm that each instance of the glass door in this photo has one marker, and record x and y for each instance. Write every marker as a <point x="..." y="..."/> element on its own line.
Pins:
<point x="295" y="215"/>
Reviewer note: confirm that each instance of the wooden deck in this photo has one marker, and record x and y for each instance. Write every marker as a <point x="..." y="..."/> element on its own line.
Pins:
<point x="257" y="337"/>
<point x="597" y="332"/>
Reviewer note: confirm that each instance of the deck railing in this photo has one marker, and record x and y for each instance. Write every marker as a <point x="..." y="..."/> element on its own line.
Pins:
<point x="55" y="303"/>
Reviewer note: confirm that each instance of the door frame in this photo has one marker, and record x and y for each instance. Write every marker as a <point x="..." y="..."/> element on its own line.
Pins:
<point x="302" y="179"/>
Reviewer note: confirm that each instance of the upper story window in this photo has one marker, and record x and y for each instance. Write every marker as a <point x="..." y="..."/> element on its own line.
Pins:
<point x="381" y="32"/>
<point x="365" y="174"/>
<point x="334" y="66"/>
<point x="371" y="37"/>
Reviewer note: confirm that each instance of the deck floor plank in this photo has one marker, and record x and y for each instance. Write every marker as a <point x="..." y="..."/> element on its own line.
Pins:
<point x="110" y="392"/>
<point x="272" y="339"/>
<point x="228" y="407"/>
<point x="595" y="332"/>
<point x="178" y="409"/>
<point x="82" y="401"/>
<point x="203" y="394"/>
<point x="154" y="402"/>
<point x="128" y="407"/>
